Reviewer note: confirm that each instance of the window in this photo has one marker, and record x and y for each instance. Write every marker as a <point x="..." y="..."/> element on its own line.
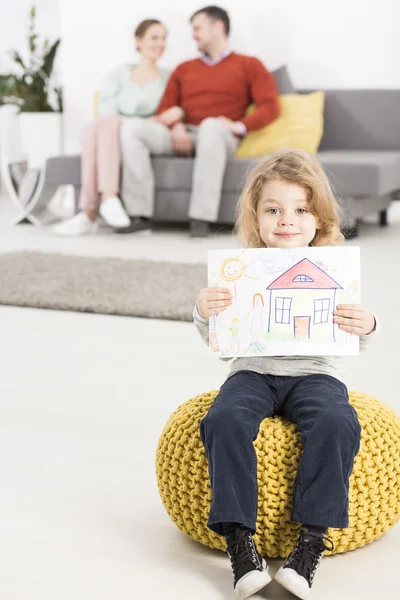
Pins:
<point x="302" y="278"/>
<point x="321" y="311"/>
<point x="282" y="310"/>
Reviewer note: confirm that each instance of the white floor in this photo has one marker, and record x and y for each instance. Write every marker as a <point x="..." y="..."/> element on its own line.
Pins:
<point x="81" y="411"/>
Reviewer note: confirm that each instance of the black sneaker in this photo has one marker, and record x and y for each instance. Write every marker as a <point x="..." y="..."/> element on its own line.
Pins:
<point x="250" y="571"/>
<point x="297" y="574"/>
<point x="137" y="225"/>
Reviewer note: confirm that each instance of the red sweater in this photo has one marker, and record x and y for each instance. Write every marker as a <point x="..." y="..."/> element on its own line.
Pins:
<point x="223" y="90"/>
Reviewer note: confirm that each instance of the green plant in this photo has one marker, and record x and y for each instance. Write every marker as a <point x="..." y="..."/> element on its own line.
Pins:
<point x="7" y="87"/>
<point x="31" y="89"/>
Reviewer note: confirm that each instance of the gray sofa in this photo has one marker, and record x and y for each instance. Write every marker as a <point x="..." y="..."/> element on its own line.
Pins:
<point x="360" y="151"/>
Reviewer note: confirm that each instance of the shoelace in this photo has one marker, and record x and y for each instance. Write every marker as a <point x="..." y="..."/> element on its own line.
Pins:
<point x="241" y="549"/>
<point x="307" y="554"/>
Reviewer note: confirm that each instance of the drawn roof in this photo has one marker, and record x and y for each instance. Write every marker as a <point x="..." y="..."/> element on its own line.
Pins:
<point x="304" y="269"/>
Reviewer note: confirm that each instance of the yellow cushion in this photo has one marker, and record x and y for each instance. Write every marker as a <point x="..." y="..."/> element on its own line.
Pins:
<point x="300" y="125"/>
<point x="374" y="495"/>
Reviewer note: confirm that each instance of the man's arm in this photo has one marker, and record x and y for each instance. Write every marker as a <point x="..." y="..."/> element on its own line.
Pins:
<point x="264" y="95"/>
<point x="172" y="94"/>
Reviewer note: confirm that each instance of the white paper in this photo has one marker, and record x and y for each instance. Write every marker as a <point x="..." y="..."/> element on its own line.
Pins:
<point x="283" y="300"/>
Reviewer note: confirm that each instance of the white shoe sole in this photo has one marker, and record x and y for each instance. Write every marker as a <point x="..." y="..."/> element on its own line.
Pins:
<point x="114" y="216"/>
<point x="113" y="221"/>
<point x="59" y="231"/>
<point x="252" y="582"/>
<point x="142" y="232"/>
<point x="293" y="582"/>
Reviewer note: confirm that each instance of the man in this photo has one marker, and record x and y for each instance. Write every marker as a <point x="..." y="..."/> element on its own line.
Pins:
<point x="202" y="110"/>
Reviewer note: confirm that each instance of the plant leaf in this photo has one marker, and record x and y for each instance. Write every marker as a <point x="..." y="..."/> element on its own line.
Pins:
<point x="17" y="58"/>
<point x="48" y="59"/>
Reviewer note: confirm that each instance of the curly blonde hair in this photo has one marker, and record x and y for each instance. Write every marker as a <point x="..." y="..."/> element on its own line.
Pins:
<point x="300" y="168"/>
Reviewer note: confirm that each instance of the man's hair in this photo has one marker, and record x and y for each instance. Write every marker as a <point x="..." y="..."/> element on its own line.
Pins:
<point x="216" y="14"/>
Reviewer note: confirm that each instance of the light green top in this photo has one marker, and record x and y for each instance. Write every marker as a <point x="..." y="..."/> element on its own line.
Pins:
<point x="120" y="95"/>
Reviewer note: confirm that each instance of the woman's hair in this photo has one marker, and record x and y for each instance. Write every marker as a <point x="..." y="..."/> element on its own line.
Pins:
<point x="142" y="28"/>
<point x="258" y="295"/>
<point x="298" y="167"/>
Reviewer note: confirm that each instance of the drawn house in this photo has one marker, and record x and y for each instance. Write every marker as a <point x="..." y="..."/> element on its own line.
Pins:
<point x="301" y="303"/>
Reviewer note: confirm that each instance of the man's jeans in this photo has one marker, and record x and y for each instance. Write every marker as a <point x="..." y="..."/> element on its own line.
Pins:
<point x="140" y="138"/>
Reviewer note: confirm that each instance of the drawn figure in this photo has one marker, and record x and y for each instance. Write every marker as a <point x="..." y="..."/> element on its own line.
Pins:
<point x="213" y="336"/>
<point x="235" y="341"/>
<point x="353" y="290"/>
<point x="256" y="312"/>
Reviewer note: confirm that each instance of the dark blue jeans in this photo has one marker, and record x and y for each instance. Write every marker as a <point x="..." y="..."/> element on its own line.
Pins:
<point x="330" y="434"/>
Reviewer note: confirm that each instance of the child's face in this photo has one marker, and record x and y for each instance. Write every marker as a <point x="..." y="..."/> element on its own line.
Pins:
<point x="284" y="217"/>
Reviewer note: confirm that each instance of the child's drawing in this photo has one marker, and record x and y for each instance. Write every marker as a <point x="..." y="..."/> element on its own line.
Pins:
<point x="286" y="305"/>
<point x="301" y="311"/>
<point x="256" y="324"/>
<point x="213" y="334"/>
<point x="276" y="262"/>
<point x="235" y="340"/>
<point x="232" y="269"/>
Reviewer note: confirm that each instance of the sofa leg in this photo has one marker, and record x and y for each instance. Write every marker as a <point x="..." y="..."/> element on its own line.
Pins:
<point x="352" y="231"/>
<point x="383" y="218"/>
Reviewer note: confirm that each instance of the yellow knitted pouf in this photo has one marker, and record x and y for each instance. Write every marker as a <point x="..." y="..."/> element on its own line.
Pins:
<point x="374" y="501"/>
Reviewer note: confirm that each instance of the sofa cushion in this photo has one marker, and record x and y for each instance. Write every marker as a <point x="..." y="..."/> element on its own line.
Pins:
<point x="362" y="120"/>
<point x="356" y="173"/>
<point x="175" y="173"/>
<point x="362" y="173"/>
<point x="62" y="170"/>
<point x="283" y="81"/>
<point x="299" y="125"/>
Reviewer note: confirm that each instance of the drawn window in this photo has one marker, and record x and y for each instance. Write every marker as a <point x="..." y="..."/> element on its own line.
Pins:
<point x="321" y="311"/>
<point x="282" y="310"/>
<point x="302" y="278"/>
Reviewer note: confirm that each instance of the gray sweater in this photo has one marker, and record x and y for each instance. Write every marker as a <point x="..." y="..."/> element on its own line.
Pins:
<point x="292" y="366"/>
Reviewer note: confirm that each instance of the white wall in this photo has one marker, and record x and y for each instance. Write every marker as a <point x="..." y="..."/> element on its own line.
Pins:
<point x="14" y="26"/>
<point x="336" y="44"/>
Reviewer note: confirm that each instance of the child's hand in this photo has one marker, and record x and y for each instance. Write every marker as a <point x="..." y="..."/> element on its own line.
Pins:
<point x="212" y="300"/>
<point x="354" y="318"/>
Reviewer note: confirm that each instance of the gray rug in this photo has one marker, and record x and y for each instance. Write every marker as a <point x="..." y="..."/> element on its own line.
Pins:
<point x="113" y="286"/>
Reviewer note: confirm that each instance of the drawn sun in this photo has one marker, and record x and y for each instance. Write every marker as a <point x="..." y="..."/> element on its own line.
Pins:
<point x="232" y="269"/>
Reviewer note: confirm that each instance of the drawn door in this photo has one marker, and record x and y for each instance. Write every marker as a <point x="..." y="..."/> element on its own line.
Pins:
<point x="302" y="327"/>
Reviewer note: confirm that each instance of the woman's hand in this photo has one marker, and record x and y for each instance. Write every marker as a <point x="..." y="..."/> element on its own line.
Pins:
<point x="213" y="300"/>
<point x="170" y="116"/>
<point x="354" y="318"/>
<point x="181" y="140"/>
<point x="234" y="127"/>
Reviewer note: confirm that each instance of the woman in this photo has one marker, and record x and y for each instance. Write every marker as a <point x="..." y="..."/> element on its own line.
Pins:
<point x="129" y="91"/>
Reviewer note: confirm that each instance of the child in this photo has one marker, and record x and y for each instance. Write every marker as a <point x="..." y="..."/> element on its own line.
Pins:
<point x="287" y="203"/>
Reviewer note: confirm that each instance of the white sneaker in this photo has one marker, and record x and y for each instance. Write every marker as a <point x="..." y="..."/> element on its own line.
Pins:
<point x="62" y="204"/>
<point x="113" y="212"/>
<point x="80" y="224"/>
